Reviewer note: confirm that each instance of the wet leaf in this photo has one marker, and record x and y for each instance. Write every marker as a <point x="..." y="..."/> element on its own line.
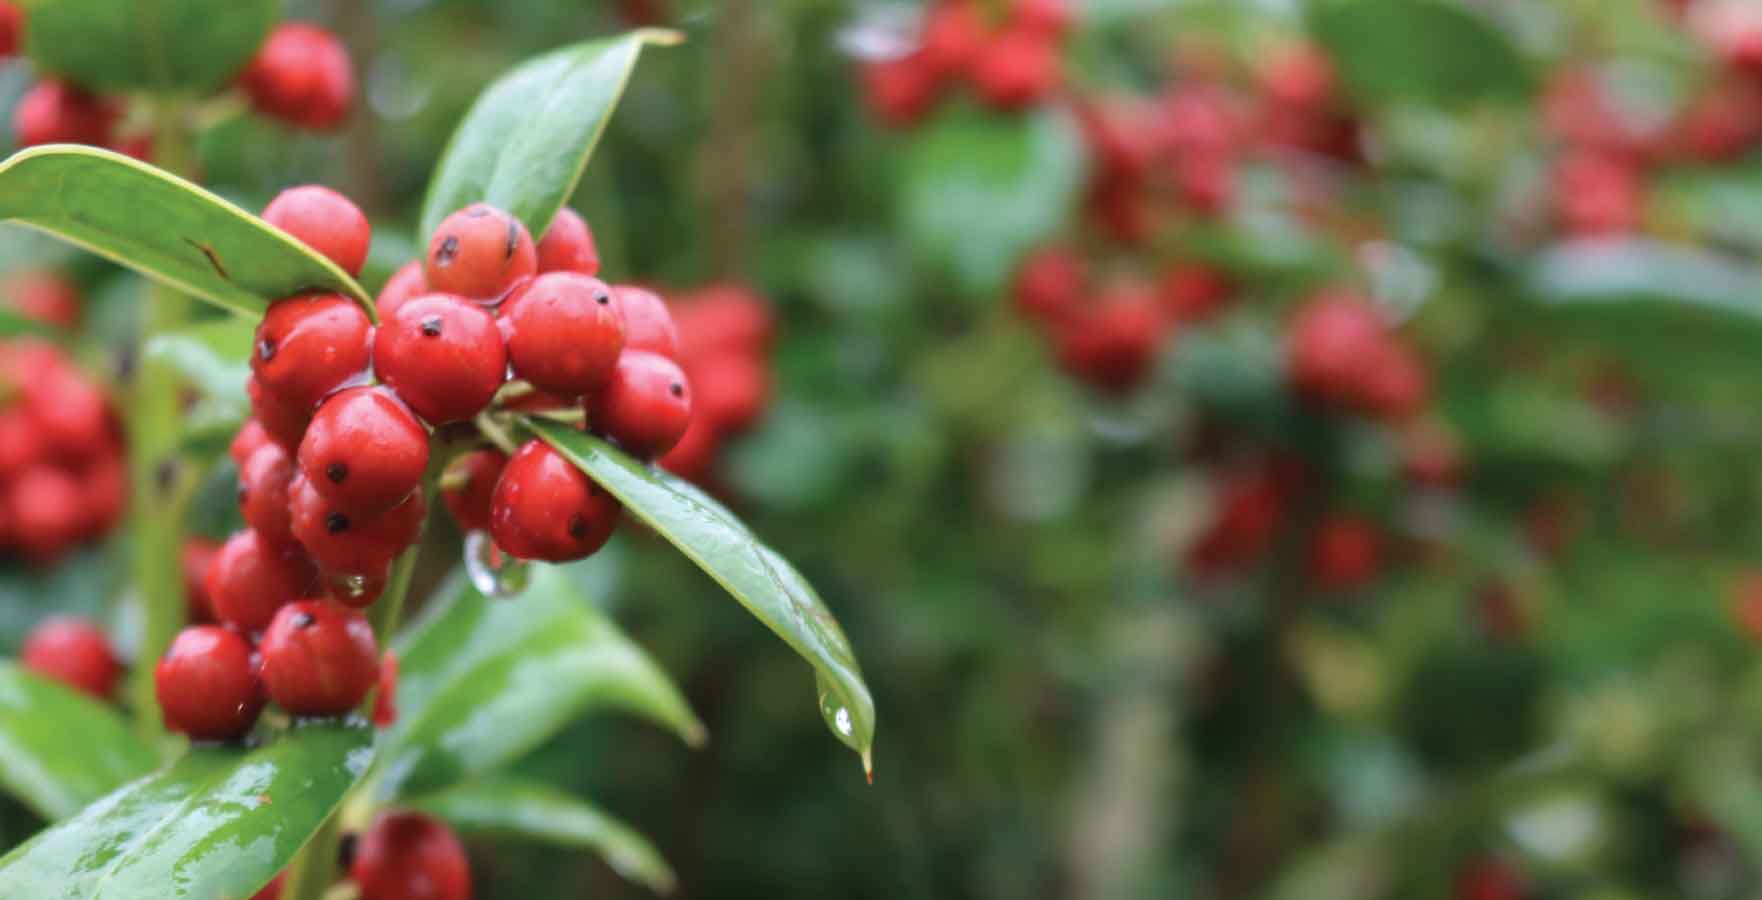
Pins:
<point x="59" y="749"/>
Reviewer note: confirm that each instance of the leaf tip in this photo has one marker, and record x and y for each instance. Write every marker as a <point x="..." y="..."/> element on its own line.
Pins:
<point x="869" y="765"/>
<point x="660" y="37"/>
<point x="695" y="734"/>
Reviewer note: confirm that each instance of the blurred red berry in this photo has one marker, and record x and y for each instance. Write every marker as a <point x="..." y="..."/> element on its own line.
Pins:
<point x="57" y="112"/>
<point x="410" y="856"/>
<point x="74" y="652"/>
<point x="302" y="76"/>
<point x="44" y="296"/>
<point x="1344" y="553"/>
<point x="1016" y="69"/>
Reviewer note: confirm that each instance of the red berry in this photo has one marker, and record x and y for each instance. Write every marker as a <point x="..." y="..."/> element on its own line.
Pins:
<point x="472" y="479"/>
<point x="1345" y="553"/>
<point x="1017" y="69"/>
<point x="270" y="891"/>
<point x="443" y="355"/>
<point x="1489" y="879"/>
<point x="364" y="451"/>
<point x="646" y="406"/>
<point x="319" y="659"/>
<point x="406" y="283"/>
<point x="11" y="28"/>
<point x="952" y="37"/>
<point x="21" y="445"/>
<point x="43" y="296"/>
<point x="209" y="686"/>
<point x="302" y="76"/>
<point x="1397" y="385"/>
<point x="250" y="578"/>
<point x="385" y="697"/>
<point x="56" y="112"/>
<point x="74" y="652"/>
<point x="544" y="508"/>
<point x="1298" y="75"/>
<point x="648" y="324"/>
<point x="1598" y="195"/>
<point x="1113" y="345"/>
<point x="70" y="413"/>
<point x="198" y="555"/>
<point x="692" y="457"/>
<point x="263" y="494"/>
<point x="309" y="345"/>
<point x="1206" y="182"/>
<point x="1201" y="119"/>
<point x="350" y="544"/>
<point x="104" y="492"/>
<point x="730" y="390"/>
<point x="479" y="252"/>
<point x="900" y="91"/>
<point x="250" y="437"/>
<point x="1122" y="136"/>
<point x="280" y="422"/>
<point x="1049" y="284"/>
<point x="1333" y="345"/>
<point x="44" y="506"/>
<point x="410" y="856"/>
<point x="723" y="317"/>
<point x="567" y="245"/>
<point x="1193" y="292"/>
<point x="565" y="333"/>
<point x="1244" y="523"/>
<point x="324" y="220"/>
<point x="1049" y="17"/>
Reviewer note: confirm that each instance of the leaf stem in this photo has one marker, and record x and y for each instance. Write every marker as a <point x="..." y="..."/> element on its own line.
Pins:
<point x="313" y="869"/>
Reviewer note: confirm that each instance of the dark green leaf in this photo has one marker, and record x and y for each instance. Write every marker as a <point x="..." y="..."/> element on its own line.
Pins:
<point x="527" y="139"/>
<point x="59" y="749"/>
<point x="1425" y="51"/>
<point x="482" y="681"/>
<point x="218" y="823"/>
<point x="766" y="584"/>
<point x="539" y="812"/>
<point x="981" y="190"/>
<point x="193" y="45"/>
<point x="163" y="227"/>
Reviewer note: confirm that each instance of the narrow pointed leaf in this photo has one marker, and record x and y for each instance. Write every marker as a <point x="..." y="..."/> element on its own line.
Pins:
<point x="481" y="682"/>
<point x="527" y="139"/>
<point x="195" y="45"/>
<point x="164" y="227"/>
<point x="509" y="807"/>
<point x="216" y="825"/>
<point x="59" y="749"/>
<point x="766" y="584"/>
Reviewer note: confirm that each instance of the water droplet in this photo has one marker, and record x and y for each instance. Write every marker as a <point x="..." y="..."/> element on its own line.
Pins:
<point x="841" y="721"/>
<point x="495" y="574"/>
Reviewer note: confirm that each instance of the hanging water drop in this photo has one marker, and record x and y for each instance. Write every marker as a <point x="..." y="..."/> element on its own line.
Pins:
<point x="495" y="574"/>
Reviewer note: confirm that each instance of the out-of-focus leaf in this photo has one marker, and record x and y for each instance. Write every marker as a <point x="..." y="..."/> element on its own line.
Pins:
<point x="483" y="681"/>
<point x="1427" y="51"/>
<point x="539" y="812"/>
<point x="528" y="137"/>
<point x="59" y="749"/>
<point x="213" y="357"/>
<point x="81" y="585"/>
<point x="193" y="45"/>
<point x="763" y="582"/>
<point x="978" y="191"/>
<point x="215" y="825"/>
<point x="164" y="227"/>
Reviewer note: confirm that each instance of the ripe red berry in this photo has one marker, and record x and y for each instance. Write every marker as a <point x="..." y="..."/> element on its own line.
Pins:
<point x="319" y="659"/>
<point x="74" y="652"/>
<point x="280" y="422"/>
<point x="1113" y="345"/>
<point x="648" y="324"/>
<point x="1345" y="553"/>
<point x="695" y="453"/>
<point x="309" y="345"/>
<point x="1489" y="879"/>
<point x="730" y="390"/>
<point x="1193" y="292"/>
<point x="104" y="492"/>
<point x="44" y="506"/>
<point x="469" y="485"/>
<point x="1598" y="195"/>
<point x="209" y="686"/>
<point x="1049" y="284"/>
<point x="70" y="413"/>
<point x="406" y="283"/>
<point x="724" y="317"/>
<point x="21" y="445"/>
<point x="1049" y="17"/>
<point x="1206" y="182"/>
<point x="250" y="578"/>
<point x="646" y="406"/>
<point x="479" y="252"/>
<point x="270" y="891"/>
<point x="250" y="436"/>
<point x="952" y="37"/>
<point x="443" y="355"/>
<point x="1397" y="385"/>
<point x="57" y="112"/>
<point x="565" y="333"/>
<point x="410" y="856"/>
<point x="364" y="451"/>
<point x="1016" y="69"/>
<point x="1245" y="521"/>
<point x="324" y="220"/>
<point x="352" y="544"/>
<point x="44" y="296"/>
<point x="263" y="494"/>
<point x="11" y="28"/>
<point x="385" y="696"/>
<point x="544" y="508"/>
<point x="900" y="91"/>
<point x="302" y="76"/>
<point x="568" y="246"/>
<point x="1333" y="344"/>
<point x="198" y="555"/>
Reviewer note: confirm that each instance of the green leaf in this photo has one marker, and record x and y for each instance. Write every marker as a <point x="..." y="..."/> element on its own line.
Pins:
<point x="189" y="45"/>
<point x="59" y="749"/>
<point x="14" y="325"/>
<point x="981" y="190"/>
<point x="536" y="811"/>
<point x="214" y="357"/>
<point x="163" y="227"/>
<point x="219" y="823"/>
<point x="481" y="682"/>
<point x="1424" y="51"/>
<point x="765" y="583"/>
<point x="527" y="139"/>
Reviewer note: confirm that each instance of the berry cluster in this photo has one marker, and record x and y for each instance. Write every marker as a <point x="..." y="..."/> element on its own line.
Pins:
<point x="300" y="76"/>
<point x="74" y="652"/>
<point x="725" y="333"/>
<point x="1010" y="64"/>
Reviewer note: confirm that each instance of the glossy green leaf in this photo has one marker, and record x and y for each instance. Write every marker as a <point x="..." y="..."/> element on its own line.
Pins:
<point x="527" y="139"/>
<point x="980" y="190"/>
<point x="193" y="45"/>
<point x="765" y="583"/>
<point x="214" y="358"/>
<point x="164" y="227"/>
<point x="59" y="749"/>
<point x="481" y="682"/>
<point x="215" y="825"/>
<point x="1425" y="51"/>
<point x="535" y="811"/>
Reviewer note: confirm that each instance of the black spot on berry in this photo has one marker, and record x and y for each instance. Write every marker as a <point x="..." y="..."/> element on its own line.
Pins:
<point x="304" y="620"/>
<point x="513" y="238"/>
<point x="337" y="472"/>
<point x="577" y="527"/>
<point x="336" y="523"/>
<point x="266" y="349"/>
<point x="676" y="389"/>
<point x="431" y="326"/>
<point x="602" y="297"/>
<point x="449" y="248"/>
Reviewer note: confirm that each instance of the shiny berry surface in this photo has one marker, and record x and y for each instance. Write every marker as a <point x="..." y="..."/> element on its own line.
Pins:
<point x="319" y="658"/>
<point x="479" y="252"/>
<point x="565" y="333"/>
<point x="324" y="220"/>
<point x="646" y="406"/>
<point x="364" y="451"/>
<point x="250" y="578"/>
<point x="469" y="485"/>
<point x="568" y="245"/>
<point x="546" y="509"/>
<point x="209" y="685"/>
<point x="308" y="346"/>
<point x="648" y="324"/>
<point x="443" y="355"/>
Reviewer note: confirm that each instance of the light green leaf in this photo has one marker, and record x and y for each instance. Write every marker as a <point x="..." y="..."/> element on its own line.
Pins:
<point x="189" y="45"/>
<point x="60" y="749"/>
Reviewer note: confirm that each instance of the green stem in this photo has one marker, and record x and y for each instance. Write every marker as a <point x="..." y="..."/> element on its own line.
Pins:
<point x="314" y="867"/>
<point x="385" y="613"/>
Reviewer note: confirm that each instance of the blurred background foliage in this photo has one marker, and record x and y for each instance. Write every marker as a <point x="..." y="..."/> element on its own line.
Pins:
<point x="1550" y="688"/>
